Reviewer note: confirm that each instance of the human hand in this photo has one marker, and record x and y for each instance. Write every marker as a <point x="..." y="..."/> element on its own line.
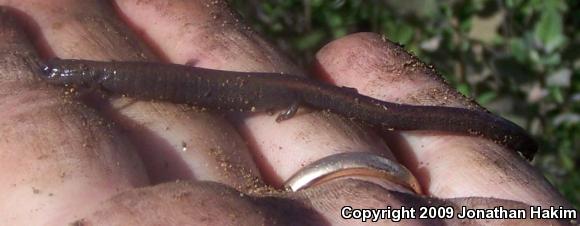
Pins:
<point x="64" y="162"/>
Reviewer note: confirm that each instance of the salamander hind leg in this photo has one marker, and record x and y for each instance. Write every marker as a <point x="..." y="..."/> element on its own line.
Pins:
<point x="289" y="113"/>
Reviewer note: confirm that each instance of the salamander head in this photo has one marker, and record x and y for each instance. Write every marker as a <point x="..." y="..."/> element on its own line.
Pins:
<point x="59" y="71"/>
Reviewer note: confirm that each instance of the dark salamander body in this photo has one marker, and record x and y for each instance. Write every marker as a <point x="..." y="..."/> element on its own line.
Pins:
<point x="254" y="91"/>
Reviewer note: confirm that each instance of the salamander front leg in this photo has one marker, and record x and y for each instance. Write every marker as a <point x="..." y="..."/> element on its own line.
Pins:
<point x="289" y="113"/>
<point x="96" y="85"/>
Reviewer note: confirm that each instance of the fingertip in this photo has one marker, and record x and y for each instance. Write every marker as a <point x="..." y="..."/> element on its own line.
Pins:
<point x="17" y="49"/>
<point x="383" y="69"/>
<point x="342" y="55"/>
<point x="368" y="52"/>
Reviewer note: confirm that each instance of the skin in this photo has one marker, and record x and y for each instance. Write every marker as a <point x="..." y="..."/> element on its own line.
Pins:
<point x="116" y="162"/>
<point x="258" y="92"/>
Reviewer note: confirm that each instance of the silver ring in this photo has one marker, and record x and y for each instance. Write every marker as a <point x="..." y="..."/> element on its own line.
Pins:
<point x="353" y="164"/>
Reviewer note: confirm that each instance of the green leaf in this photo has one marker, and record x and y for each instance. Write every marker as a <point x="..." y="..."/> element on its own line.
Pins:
<point x="486" y="97"/>
<point x="552" y="59"/>
<point x="549" y="29"/>
<point x="399" y="32"/>
<point x="310" y="40"/>
<point x="510" y="3"/>
<point x="339" y="32"/>
<point x="465" y="25"/>
<point x="519" y="49"/>
<point x="567" y="162"/>
<point x="464" y="89"/>
<point x="405" y="34"/>
<point x="316" y="3"/>
<point x="556" y="93"/>
<point x="334" y="20"/>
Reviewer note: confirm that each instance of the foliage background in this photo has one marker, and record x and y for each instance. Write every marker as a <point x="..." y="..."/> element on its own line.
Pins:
<point x="519" y="58"/>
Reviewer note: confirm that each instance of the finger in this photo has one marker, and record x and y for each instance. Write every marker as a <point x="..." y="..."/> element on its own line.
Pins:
<point x="207" y="33"/>
<point x="174" y="142"/>
<point x="186" y="203"/>
<point x="49" y="161"/>
<point x="406" y="209"/>
<point x="205" y="203"/>
<point x="447" y="165"/>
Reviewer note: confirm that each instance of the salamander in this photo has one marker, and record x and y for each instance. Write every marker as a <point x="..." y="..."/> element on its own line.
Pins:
<point x="260" y="91"/>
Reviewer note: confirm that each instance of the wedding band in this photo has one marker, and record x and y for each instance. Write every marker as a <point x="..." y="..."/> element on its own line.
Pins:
<point x="358" y="164"/>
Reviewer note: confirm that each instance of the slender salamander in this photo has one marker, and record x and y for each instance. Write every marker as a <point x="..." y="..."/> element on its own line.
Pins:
<point x="256" y="91"/>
